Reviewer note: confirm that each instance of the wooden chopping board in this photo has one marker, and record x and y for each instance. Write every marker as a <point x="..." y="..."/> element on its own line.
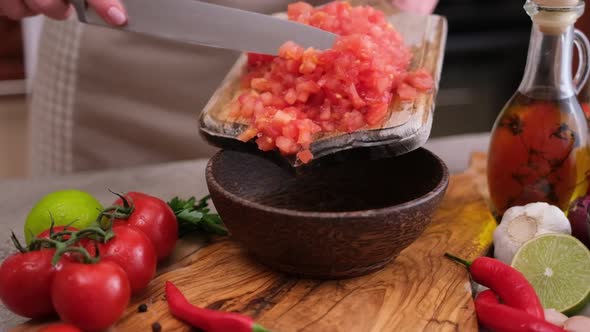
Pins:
<point x="419" y="291"/>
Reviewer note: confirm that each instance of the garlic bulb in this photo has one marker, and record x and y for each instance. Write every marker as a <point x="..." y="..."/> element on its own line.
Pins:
<point x="522" y="223"/>
<point x="555" y="317"/>
<point x="577" y="324"/>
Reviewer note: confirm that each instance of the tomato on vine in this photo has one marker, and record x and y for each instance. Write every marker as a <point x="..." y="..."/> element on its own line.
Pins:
<point x="25" y="283"/>
<point x="91" y="296"/>
<point x="152" y="216"/>
<point x="131" y="249"/>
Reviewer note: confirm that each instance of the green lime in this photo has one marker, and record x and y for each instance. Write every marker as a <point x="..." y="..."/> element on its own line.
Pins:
<point x="67" y="207"/>
<point x="558" y="268"/>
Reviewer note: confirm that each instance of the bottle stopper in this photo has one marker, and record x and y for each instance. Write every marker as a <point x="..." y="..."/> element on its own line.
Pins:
<point x="547" y="14"/>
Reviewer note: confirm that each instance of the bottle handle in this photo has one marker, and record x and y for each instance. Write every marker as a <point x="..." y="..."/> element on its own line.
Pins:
<point x="583" y="72"/>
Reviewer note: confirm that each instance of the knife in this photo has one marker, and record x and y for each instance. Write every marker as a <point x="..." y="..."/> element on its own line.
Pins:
<point x="202" y="23"/>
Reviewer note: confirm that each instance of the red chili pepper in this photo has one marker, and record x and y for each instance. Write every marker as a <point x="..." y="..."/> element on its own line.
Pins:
<point x="502" y="318"/>
<point x="511" y="285"/>
<point x="60" y="327"/>
<point x="207" y="319"/>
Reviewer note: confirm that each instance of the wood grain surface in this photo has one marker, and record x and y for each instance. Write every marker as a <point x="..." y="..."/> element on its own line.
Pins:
<point x="419" y="291"/>
<point x="407" y="125"/>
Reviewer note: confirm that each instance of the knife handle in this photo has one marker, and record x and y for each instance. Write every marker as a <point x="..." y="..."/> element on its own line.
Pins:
<point x="80" y="6"/>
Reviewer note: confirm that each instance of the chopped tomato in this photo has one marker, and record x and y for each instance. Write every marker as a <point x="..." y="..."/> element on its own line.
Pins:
<point x="255" y="59"/>
<point x="286" y="145"/>
<point x="265" y="143"/>
<point x="406" y="92"/>
<point x="248" y="134"/>
<point x="290" y="131"/>
<point x="305" y="156"/>
<point x="377" y="114"/>
<point x="299" y="11"/>
<point x="301" y="92"/>
<point x="420" y="80"/>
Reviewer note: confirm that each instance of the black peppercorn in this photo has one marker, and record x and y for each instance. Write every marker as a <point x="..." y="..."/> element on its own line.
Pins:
<point x="156" y="327"/>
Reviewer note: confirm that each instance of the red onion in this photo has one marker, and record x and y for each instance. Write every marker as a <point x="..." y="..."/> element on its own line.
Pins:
<point x="578" y="215"/>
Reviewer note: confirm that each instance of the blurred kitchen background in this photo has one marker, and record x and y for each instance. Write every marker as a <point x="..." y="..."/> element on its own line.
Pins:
<point x="485" y="56"/>
<point x="13" y="111"/>
<point x="484" y="61"/>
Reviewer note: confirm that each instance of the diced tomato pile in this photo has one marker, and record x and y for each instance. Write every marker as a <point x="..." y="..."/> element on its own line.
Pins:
<point x="301" y="92"/>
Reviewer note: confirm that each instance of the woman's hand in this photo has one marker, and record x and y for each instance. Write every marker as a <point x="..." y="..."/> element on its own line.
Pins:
<point x="112" y="11"/>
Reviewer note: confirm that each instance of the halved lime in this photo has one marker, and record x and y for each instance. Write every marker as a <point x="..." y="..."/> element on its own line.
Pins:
<point x="558" y="268"/>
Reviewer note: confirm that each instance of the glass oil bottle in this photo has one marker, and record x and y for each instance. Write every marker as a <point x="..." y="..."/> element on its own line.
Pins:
<point x="539" y="149"/>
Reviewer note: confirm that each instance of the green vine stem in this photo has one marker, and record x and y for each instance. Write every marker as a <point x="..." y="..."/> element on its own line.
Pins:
<point x="115" y="212"/>
<point x="17" y="243"/>
<point x="38" y="244"/>
<point x="60" y="235"/>
<point x="88" y="259"/>
<point x="464" y="262"/>
<point x="123" y="198"/>
<point x="94" y="233"/>
<point x="61" y="247"/>
<point x="56" y="240"/>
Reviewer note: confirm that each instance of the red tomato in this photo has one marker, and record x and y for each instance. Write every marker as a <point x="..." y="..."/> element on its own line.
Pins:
<point x="133" y="251"/>
<point x="156" y="219"/>
<point x="59" y="327"/>
<point x="90" y="296"/>
<point x="25" y="281"/>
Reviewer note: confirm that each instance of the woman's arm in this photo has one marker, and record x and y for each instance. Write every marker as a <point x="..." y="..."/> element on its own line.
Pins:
<point x="112" y="11"/>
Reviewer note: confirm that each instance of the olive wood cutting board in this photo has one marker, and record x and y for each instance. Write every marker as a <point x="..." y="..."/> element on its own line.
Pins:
<point x="407" y="125"/>
<point x="420" y="291"/>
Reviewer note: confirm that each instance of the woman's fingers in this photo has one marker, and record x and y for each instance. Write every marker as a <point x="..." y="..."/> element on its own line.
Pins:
<point x="18" y="9"/>
<point x="15" y="9"/>
<point x="112" y="11"/>
<point x="56" y="9"/>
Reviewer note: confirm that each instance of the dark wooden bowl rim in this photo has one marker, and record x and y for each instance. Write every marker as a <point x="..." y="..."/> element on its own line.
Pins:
<point x="441" y="186"/>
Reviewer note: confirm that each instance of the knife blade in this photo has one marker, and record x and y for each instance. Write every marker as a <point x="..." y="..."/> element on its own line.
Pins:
<point x="202" y="23"/>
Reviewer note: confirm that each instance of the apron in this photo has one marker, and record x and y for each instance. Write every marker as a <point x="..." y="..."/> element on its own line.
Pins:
<point x="108" y="99"/>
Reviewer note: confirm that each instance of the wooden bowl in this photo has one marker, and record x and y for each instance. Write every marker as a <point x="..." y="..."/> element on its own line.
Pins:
<point x="342" y="219"/>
